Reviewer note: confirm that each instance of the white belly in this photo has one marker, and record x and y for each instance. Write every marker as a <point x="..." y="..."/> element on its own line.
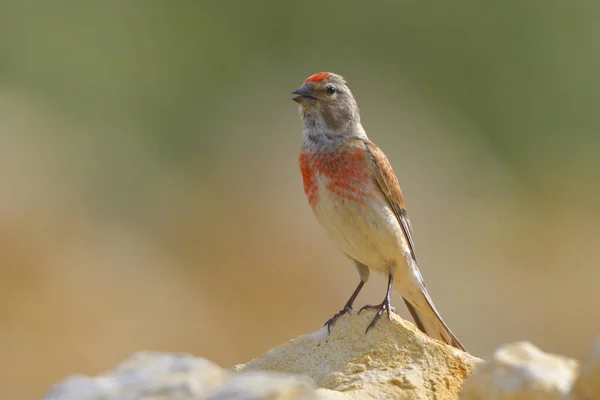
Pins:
<point x="369" y="233"/>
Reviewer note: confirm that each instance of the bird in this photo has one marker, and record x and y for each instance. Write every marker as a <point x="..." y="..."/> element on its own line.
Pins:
<point x="356" y="198"/>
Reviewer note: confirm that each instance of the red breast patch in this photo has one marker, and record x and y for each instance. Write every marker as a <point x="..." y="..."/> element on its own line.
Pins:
<point x="344" y="172"/>
<point x="308" y="177"/>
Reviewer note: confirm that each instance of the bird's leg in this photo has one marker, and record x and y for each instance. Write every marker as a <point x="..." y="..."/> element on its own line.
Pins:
<point x="385" y="305"/>
<point x="347" y="308"/>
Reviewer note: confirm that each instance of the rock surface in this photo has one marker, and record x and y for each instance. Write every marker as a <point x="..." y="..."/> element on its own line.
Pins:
<point x="393" y="361"/>
<point x="521" y="371"/>
<point x="150" y="375"/>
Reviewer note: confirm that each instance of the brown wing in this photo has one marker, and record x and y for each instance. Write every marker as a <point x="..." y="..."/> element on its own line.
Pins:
<point x="388" y="183"/>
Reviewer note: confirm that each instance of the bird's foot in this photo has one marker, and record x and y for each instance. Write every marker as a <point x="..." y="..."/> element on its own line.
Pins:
<point x="331" y="321"/>
<point x="384" y="306"/>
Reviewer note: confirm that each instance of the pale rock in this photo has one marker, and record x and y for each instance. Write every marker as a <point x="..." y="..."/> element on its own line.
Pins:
<point x="272" y="385"/>
<point x="144" y="373"/>
<point x="392" y="361"/>
<point x="153" y="376"/>
<point x="520" y="371"/>
<point x="587" y="386"/>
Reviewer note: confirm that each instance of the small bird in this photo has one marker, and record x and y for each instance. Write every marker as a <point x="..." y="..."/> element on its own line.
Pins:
<point x="356" y="198"/>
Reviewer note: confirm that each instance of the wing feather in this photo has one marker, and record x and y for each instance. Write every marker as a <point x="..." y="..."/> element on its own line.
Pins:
<point x="388" y="183"/>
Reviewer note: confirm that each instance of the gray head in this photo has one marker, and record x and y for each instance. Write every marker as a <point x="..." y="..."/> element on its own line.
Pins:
<point x="325" y="100"/>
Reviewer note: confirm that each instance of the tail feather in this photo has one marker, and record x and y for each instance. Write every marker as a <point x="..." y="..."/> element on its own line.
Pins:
<point x="429" y="321"/>
<point x="415" y="316"/>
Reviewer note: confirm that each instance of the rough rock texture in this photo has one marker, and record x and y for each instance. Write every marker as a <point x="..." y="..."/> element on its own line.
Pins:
<point x="521" y="371"/>
<point x="393" y="361"/>
<point x="587" y="386"/>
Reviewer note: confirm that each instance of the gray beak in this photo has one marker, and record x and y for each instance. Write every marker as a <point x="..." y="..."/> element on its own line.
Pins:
<point x="304" y="93"/>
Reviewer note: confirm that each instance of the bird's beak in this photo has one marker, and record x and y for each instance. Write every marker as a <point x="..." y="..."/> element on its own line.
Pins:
<point x="305" y="95"/>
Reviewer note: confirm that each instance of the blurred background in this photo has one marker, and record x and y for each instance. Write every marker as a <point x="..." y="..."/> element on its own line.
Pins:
<point x="151" y="199"/>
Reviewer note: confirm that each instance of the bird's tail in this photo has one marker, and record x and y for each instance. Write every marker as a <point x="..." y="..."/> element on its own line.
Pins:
<point x="428" y="320"/>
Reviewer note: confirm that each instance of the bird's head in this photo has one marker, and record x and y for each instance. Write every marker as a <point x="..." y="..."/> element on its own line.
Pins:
<point x="326" y="97"/>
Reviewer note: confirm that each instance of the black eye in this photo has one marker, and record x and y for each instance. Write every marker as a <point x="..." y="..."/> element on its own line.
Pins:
<point x="330" y="89"/>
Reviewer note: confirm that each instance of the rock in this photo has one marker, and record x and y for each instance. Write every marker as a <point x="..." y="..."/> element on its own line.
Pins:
<point x="144" y="373"/>
<point x="521" y="371"/>
<point x="150" y="375"/>
<point x="393" y="361"/>
<point x="271" y="385"/>
<point x="587" y="386"/>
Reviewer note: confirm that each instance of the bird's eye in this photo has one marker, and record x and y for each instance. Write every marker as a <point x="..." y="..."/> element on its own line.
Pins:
<point x="330" y="89"/>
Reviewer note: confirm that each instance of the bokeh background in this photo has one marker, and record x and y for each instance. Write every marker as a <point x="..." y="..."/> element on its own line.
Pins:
<point x="150" y="196"/>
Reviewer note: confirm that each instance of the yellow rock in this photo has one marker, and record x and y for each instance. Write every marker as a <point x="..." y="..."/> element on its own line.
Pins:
<point x="394" y="360"/>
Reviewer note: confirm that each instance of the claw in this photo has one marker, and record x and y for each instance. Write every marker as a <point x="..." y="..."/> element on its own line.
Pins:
<point x="347" y="308"/>
<point x="385" y="305"/>
<point x="332" y="320"/>
<point x="379" y="308"/>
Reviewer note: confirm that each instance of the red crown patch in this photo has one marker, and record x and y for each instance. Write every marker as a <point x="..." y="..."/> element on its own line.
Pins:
<point x="318" y="77"/>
